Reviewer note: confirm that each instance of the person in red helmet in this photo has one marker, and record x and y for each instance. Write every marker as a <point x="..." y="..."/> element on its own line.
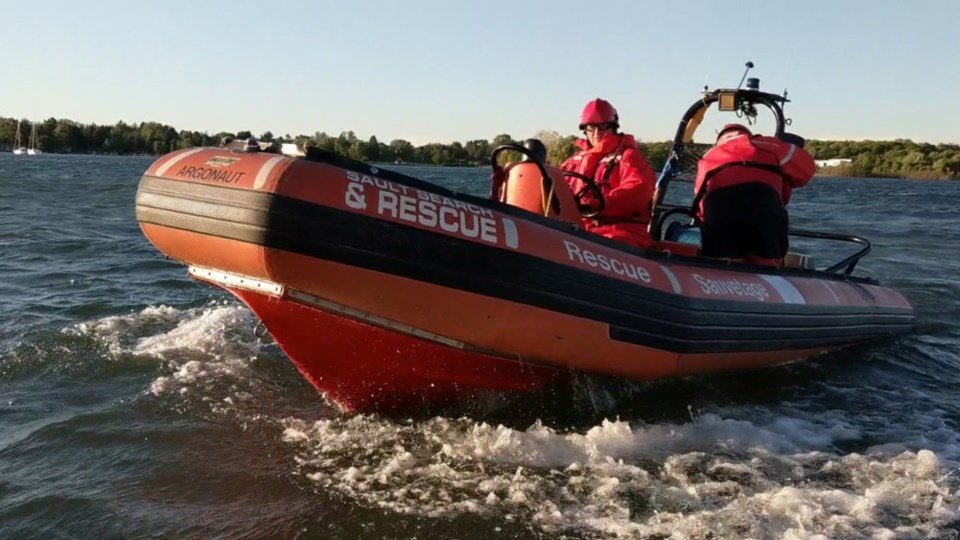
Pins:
<point x="620" y="169"/>
<point x="742" y="188"/>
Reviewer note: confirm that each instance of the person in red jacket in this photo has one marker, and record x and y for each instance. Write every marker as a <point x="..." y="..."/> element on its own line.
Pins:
<point x="743" y="185"/>
<point x="620" y="169"/>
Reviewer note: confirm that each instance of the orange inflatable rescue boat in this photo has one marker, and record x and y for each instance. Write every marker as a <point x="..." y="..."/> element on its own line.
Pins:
<point x="388" y="292"/>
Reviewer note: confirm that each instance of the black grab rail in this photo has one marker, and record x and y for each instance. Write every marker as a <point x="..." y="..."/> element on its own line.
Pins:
<point x="849" y="262"/>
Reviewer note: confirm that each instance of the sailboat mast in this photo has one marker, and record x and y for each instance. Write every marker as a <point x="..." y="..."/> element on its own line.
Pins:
<point x="32" y="148"/>
<point x="18" y="142"/>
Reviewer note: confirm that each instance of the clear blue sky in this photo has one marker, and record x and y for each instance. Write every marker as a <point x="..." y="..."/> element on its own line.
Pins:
<point x="430" y="71"/>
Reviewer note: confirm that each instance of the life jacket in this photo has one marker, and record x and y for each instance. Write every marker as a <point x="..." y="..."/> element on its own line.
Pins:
<point x="600" y="163"/>
<point x="589" y="161"/>
<point x="740" y="159"/>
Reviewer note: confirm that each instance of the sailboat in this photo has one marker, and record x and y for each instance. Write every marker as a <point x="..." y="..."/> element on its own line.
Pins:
<point x="32" y="145"/>
<point x="18" y="148"/>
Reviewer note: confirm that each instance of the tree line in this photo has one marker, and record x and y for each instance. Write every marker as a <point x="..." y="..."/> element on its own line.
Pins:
<point x="900" y="158"/>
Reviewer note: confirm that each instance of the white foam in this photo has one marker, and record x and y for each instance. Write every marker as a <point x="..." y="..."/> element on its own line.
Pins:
<point x="206" y="346"/>
<point x="194" y="372"/>
<point x="198" y="346"/>
<point x="109" y="331"/>
<point x="207" y="330"/>
<point x="731" y="478"/>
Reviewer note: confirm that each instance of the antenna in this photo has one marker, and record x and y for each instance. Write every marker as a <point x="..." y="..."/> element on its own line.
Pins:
<point x="749" y="65"/>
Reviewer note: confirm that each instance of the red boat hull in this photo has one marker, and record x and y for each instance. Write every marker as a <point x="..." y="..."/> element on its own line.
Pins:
<point x="362" y="367"/>
<point x="391" y="293"/>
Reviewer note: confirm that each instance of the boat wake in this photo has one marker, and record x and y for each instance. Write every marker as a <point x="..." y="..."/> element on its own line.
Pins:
<point x="720" y="475"/>
<point x="734" y="469"/>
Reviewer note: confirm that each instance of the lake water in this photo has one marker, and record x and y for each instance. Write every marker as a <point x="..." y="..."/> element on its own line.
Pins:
<point x="137" y="403"/>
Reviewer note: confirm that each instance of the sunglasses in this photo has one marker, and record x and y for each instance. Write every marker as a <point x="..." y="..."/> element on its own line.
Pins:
<point x="593" y="128"/>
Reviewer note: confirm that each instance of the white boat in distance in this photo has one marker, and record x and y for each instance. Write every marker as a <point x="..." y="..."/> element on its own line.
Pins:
<point x="32" y="149"/>
<point x="18" y="148"/>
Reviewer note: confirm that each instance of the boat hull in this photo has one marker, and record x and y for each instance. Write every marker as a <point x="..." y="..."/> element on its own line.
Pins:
<point x="365" y="367"/>
<point x="388" y="292"/>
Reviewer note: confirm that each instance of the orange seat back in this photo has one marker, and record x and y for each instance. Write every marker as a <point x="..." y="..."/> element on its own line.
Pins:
<point x="526" y="188"/>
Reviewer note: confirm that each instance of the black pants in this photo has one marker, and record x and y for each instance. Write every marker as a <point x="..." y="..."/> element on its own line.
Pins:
<point x="744" y="220"/>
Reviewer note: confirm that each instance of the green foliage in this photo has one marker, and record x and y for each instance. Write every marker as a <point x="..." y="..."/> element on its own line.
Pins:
<point x="559" y="148"/>
<point x="656" y="153"/>
<point x="900" y="158"/>
<point x="66" y="136"/>
<point x="477" y="150"/>
<point x="505" y="156"/>
<point x="401" y="150"/>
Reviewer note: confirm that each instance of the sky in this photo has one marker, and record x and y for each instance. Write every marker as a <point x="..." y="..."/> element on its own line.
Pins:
<point x="430" y="71"/>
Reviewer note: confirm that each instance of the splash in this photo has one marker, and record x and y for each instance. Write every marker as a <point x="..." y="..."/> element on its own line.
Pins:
<point x="210" y="329"/>
<point x="199" y="346"/>
<point x="111" y="332"/>
<point x="728" y="478"/>
<point x="207" y="346"/>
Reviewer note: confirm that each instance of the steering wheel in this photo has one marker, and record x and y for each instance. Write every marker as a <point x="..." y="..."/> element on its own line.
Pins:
<point x="589" y="187"/>
<point x="656" y="230"/>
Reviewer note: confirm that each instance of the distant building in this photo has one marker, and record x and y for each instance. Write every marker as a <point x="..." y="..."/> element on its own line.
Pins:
<point x="821" y="163"/>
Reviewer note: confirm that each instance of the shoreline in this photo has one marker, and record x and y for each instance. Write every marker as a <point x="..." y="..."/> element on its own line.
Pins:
<point x="841" y="171"/>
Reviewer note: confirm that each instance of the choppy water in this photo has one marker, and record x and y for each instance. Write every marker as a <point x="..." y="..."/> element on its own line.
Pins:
<point x="134" y="402"/>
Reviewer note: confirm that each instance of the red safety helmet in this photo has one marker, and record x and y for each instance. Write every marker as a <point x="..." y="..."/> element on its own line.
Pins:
<point x="599" y="111"/>
<point x="733" y="127"/>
